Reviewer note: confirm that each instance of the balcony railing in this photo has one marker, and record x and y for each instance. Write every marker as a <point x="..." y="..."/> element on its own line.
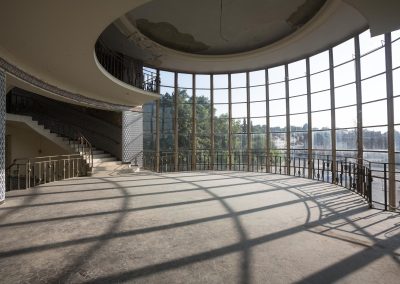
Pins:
<point x="126" y="69"/>
<point x="29" y="172"/>
<point x="368" y="179"/>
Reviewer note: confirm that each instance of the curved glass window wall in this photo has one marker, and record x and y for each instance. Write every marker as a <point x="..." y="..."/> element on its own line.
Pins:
<point x="342" y="103"/>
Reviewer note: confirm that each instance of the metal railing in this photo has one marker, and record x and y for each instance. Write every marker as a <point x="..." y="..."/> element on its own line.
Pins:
<point x="366" y="178"/>
<point x="126" y="69"/>
<point x="29" y="172"/>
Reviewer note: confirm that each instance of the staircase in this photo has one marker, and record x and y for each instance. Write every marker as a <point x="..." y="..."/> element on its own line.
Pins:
<point x="65" y="125"/>
<point x="103" y="162"/>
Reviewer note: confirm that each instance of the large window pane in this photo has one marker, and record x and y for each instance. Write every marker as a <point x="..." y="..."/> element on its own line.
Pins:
<point x="221" y="142"/>
<point x="239" y="95"/>
<point x="373" y="63"/>
<point x="277" y="91"/>
<point x="395" y="34"/>
<point x="258" y="142"/>
<point x="321" y="101"/>
<point x="298" y="87"/>
<point x="320" y="81"/>
<point x="346" y="139"/>
<point x="397" y="141"/>
<point x="322" y="140"/>
<point x="257" y="93"/>
<point x="220" y="81"/>
<point x="257" y="77"/>
<point x="277" y="123"/>
<point x="221" y="96"/>
<point x="319" y="62"/>
<point x="258" y="109"/>
<point x="297" y="69"/>
<point x="344" y="74"/>
<point x="298" y="104"/>
<point x="298" y="140"/>
<point x="221" y="109"/>
<point x="203" y="116"/>
<point x="276" y="74"/>
<point x="343" y="52"/>
<point x="375" y="138"/>
<point x="185" y="80"/>
<point x="368" y="43"/>
<point x="221" y="126"/>
<point x="258" y="125"/>
<point x="277" y="107"/>
<point x="238" y="80"/>
<point x="396" y="54"/>
<point x="374" y="113"/>
<point x="346" y="117"/>
<point x="396" y="102"/>
<point x="239" y="125"/>
<point x="396" y="82"/>
<point x="298" y="122"/>
<point x="346" y="95"/>
<point x="374" y="88"/>
<point x="167" y="78"/>
<point x="278" y="141"/>
<point x="203" y="96"/>
<point x="203" y="81"/>
<point x="321" y="119"/>
<point x="239" y="110"/>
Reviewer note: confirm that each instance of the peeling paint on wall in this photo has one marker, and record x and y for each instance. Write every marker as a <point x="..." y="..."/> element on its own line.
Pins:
<point x="304" y="13"/>
<point x="168" y="35"/>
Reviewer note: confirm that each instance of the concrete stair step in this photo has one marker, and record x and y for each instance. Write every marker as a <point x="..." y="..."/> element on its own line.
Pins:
<point x="100" y="156"/>
<point x="101" y="160"/>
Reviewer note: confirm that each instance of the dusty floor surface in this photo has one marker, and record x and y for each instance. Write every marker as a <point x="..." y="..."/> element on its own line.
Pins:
<point x="205" y="227"/>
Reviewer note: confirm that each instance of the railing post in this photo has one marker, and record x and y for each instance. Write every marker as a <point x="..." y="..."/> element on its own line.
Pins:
<point x="369" y="187"/>
<point x="385" y="185"/>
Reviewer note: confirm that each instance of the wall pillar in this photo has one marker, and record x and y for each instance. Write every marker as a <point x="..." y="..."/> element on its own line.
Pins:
<point x="360" y="145"/>
<point x="267" y="124"/>
<point x="2" y="135"/>
<point x="287" y="121"/>
<point x="309" y="121"/>
<point x="333" y="116"/>
<point x="132" y="137"/>
<point x="390" y="117"/>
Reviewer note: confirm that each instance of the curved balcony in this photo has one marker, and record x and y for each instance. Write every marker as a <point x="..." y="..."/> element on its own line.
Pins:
<point x="126" y="68"/>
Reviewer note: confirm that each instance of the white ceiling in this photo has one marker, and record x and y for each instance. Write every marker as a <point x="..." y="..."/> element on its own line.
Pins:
<point x="220" y="26"/>
<point x="332" y="23"/>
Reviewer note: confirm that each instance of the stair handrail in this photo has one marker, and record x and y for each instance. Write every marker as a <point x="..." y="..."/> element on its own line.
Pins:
<point x="28" y="172"/>
<point x="88" y="153"/>
<point x="135" y="158"/>
<point x="37" y="106"/>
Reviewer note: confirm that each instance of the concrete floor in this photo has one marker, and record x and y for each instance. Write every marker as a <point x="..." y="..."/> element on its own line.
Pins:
<point x="217" y="227"/>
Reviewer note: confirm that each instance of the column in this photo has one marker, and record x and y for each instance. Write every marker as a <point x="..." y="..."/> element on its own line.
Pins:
<point x="390" y="117"/>
<point x="132" y="137"/>
<point x="2" y="135"/>
<point x="176" y="123"/>
<point x="267" y="124"/>
<point x="230" y="122"/>
<point x="309" y="121"/>
<point x="249" y="146"/>
<point x="360" y="148"/>
<point x="194" y="126"/>
<point x="287" y="121"/>
<point x="212" y="144"/>
<point x="157" y="164"/>
<point x="333" y="115"/>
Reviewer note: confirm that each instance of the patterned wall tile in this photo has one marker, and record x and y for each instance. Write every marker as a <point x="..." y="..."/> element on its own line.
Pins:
<point x="132" y="137"/>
